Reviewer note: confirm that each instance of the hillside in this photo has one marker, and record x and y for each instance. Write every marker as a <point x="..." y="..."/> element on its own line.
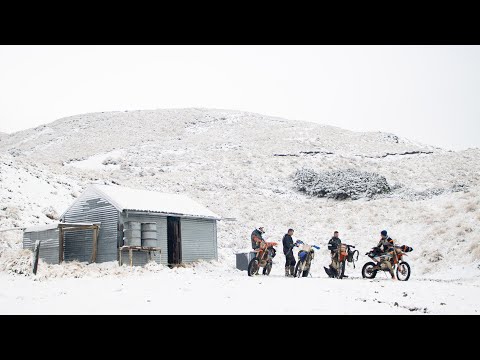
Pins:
<point x="241" y="166"/>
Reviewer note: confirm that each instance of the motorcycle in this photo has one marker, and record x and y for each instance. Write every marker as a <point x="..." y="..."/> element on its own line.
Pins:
<point x="343" y="254"/>
<point x="305" y="257"/>
<point x="263" y="258"/>
<point x="395" y="257"/>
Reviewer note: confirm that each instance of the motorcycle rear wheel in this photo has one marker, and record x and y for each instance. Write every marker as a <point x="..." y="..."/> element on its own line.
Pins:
<point x="403" y="271"/>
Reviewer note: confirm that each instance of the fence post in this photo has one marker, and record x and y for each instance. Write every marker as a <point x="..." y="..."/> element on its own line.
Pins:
<point x="36" y="251"/>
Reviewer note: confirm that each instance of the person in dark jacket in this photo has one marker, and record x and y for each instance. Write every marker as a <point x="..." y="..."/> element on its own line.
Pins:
<point x="288" y="245"/>
<point x="257" y="237"/>
<point x="333" y="245"/>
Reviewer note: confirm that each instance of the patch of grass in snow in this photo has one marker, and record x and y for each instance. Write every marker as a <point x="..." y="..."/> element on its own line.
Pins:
<point x="474" y="249"/>
<point x="449" y="205"/>
<point x="434" y="256"/>
<point x="18" y="262"/>
<point x="439" y="230"/>
<point x="471" y="207"/>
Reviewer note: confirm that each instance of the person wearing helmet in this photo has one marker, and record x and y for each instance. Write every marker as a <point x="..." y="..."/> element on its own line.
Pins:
<point x="257" y="237"/>
<point x="388" y="247"/>
<point x="385" y="241"/>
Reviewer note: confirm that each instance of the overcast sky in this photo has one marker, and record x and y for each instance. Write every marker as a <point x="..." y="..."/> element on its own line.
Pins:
<point x="429" y="94"/>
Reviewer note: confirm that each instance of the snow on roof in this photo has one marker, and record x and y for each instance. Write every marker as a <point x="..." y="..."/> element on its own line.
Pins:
<point x="41" y="227"/>
<point x="54" y="226"/>
<point x="143" y="200"/>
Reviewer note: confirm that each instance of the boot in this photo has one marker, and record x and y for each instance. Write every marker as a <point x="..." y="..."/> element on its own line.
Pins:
<point x="329" y="272"/>
<point x="333" y="271"/>
<point x="292" y="270"/>
<point x="287" y="274"/>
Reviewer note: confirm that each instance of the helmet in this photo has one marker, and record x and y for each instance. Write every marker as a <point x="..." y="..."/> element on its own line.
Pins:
<point x="262" y="229"/>
<point x="383" y="233"/>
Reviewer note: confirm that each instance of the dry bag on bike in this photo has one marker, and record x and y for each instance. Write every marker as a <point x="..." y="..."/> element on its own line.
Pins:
<point x="406" y="248"/>
<point x="351" y="254"/>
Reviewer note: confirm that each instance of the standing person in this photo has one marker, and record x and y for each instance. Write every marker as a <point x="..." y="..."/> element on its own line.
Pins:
<point x="333" y="245"/>
<point x="257" y="237"/>
<point x="288" y="251"/>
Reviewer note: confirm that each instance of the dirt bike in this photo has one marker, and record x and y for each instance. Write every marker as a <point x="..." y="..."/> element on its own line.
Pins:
<point x="263" y="258"/>
<point x="305" y="257"/>
<point x="395" y="256"/>
<point x="343" y="253"/>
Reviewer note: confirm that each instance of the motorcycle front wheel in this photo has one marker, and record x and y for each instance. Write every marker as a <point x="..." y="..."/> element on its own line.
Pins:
<point x="267" y="269"/>
<point x="298" y="270"/>
<point x="368" y="272"/>
<point x="403" y="271"/>
<point x="253" y="267"/>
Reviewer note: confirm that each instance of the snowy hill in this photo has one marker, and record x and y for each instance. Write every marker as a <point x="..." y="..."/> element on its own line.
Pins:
<point x="90" y="134"/>
<point x="241" y="166"/>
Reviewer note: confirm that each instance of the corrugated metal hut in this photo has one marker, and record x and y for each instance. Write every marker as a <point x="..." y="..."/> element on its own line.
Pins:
<point x="183" y="229"/>
<point x="49" y="236"/>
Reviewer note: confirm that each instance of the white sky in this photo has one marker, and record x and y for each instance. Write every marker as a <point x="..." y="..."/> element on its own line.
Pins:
<point x="426" y="93"/>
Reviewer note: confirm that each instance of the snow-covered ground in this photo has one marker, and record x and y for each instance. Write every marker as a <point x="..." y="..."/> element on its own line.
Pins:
<point x="190" y="291"/>
<point x="241" y="166"/>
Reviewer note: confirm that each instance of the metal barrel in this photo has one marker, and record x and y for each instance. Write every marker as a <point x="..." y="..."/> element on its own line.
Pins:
<point x="132" y="233"/>
<point x="149" y="234"/>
